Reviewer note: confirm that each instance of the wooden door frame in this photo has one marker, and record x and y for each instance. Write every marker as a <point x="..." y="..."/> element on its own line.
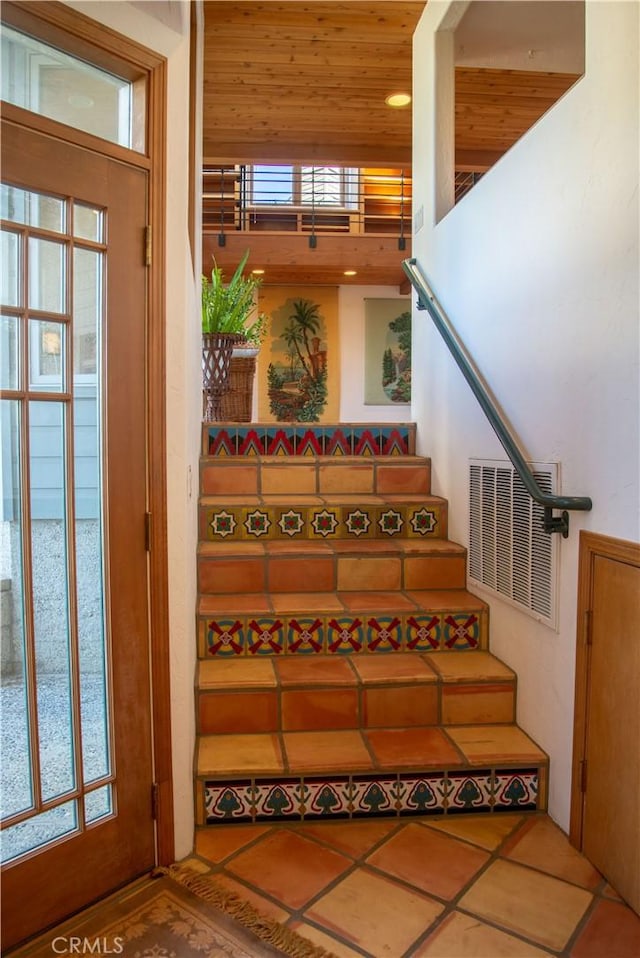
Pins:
<point x="591" y="546"/>
<point x="66" y="28"/>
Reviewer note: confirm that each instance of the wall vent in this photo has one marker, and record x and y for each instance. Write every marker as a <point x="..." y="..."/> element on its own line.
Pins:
<point x="510" y="554"/>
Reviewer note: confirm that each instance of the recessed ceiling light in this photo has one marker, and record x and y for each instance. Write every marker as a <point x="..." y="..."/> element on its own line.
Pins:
<point x="398" y="99"/>
<point x="258" y="272"/>
<point x="350" y="272"/>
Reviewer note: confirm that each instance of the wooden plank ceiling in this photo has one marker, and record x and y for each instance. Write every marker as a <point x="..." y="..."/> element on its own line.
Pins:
<point x="305" y="82"/>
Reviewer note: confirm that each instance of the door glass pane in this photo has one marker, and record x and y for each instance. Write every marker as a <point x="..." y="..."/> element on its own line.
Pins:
<point x="87" y="326"/>
<point x="87" y="223"/>
<point x="46" y="351"/>
<point x="98" y="804"/>
<point x="46" y="827"/>
<point x="39" y="78"/>
<point x="15" y="781"/>
<point x="32" y="209"/>
<point x="10" y="289"/>
<point x="9" y="352"/>
<point x="46" y="275"/>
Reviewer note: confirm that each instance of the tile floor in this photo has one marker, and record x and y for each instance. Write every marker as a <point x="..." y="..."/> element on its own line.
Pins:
<point x="480" y="886"/>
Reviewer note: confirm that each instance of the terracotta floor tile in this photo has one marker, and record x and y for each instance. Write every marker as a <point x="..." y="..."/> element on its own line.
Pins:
<point x="289" y="574"/>
<point x="448" y="600"/>
<point x="328" y="942"/>
<point x="239" y="754"/>
<point x="238" y="673"/>
<point x="611" y="931"/>
<point x="486" y="703"/>
<point x="216" y="480"/>
<point x="317" y="709"/>
<point x="541" y="844"/>
<point x="461" y="666"/>
<point x="259" y="902"/>
<point x="231" y="575"/>
<point x="288" y="867"/>
<point x="216" y="844"/>
<point x="434" y="863"/>
<point x="375" y="913"/>
<point x="303" y="670"/>
<point x="351" y="838"/>
<point x="400" y="706"/>
<point x="485" y="744"/>
<point x="364" y="573"/>
<point x="325" y="751"/>
<point x="435" y="547"/>
<point x="434" y="572"/>
<point x="392" y="669"/>
<point x="412" y="748"/>
<point x="254" y="603"/>
<point x="338" y="478"/>
<point x="306" y="602"/>
<point x="295" y="478"/>
<point x="231" y="548"/>
<point x="610" y="892"/>
<point x="376" y="602"/>
<point x="366" y="546"/>
<point x="543" y="909"/>
<point x="488" y="831"/>
<point x="295" y="547"/>
<point x="229" y="712"/>
<point x="392" y="478"/>
<point x="463" y="936"/>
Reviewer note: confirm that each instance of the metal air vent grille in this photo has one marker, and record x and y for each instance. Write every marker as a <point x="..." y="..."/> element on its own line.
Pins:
<point x="510" y="554"/>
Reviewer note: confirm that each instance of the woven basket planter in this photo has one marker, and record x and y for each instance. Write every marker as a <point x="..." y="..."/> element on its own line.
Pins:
<point x="216" y="358"/>
<point x="238" y="399"/>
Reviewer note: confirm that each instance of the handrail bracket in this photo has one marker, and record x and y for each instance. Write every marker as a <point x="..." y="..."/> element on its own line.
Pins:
<point x="553" y="523"/>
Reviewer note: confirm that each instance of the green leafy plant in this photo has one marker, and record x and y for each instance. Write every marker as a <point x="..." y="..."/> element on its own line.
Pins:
<point x="226" y="307"/>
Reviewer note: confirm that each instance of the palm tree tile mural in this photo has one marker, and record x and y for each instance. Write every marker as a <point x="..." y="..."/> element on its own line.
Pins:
<point x="299" y="364"/>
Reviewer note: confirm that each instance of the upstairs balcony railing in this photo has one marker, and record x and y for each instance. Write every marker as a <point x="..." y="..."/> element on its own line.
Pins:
<point x="307" y="199"/>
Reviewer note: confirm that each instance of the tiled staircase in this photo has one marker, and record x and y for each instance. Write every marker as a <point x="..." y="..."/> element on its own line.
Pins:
<point x="344" y="670"/>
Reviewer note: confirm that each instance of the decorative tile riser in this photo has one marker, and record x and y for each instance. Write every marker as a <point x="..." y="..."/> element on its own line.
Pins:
<point x="303" y="439"/>
<point x="383" y="795"/>
<point x="258" y="475"/>
<point x="362" y="634"/>
<point x="339" y="708"/>
<point x="228" y="522"/>
<point x="326" y="573"/>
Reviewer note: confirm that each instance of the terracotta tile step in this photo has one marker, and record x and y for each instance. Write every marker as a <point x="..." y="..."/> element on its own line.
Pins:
<point x="376" y="772"/>
<point x="338" y="565"/>
<point x="323" y="517"/>
<point x="340" y="624"/>
<point x="299" y="693"/>
<point x="315" y="475"/>
<point x="304" y="439"/>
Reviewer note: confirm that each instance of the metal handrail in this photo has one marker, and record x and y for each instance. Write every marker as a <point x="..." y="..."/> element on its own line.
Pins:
<point x="428" y="301"/>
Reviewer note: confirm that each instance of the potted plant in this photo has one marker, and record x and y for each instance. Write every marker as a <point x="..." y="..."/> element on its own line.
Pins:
<point x="226" y="312"/>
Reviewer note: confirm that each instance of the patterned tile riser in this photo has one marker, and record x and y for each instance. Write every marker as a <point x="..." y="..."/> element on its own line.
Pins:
<point x="409" y="521"/>
<point x="230" y="636"/>
<point x="309" y="440"/>
<point x="298" y="798"/>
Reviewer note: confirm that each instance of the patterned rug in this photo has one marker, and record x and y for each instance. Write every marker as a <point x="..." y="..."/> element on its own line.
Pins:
<point x="179" y="914"/>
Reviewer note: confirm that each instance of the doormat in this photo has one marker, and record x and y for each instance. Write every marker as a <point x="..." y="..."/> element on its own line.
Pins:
<point x="178" y="913"/>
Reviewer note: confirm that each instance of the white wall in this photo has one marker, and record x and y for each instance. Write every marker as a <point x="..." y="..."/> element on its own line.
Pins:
<point x="352" y="337"/>
<point x="165" y="29"/>
<point x="538" y="269"/>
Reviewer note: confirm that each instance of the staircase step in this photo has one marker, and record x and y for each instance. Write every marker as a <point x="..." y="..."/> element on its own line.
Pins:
<point x="317" y="475"/>
<point x="299" y="693"/>
<point x="324" y="518"/>
<point x="337" y="565"/>
<point x="308" y="439"/>
<point x="340" y="623"/>
<point x="368" y="773"/>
